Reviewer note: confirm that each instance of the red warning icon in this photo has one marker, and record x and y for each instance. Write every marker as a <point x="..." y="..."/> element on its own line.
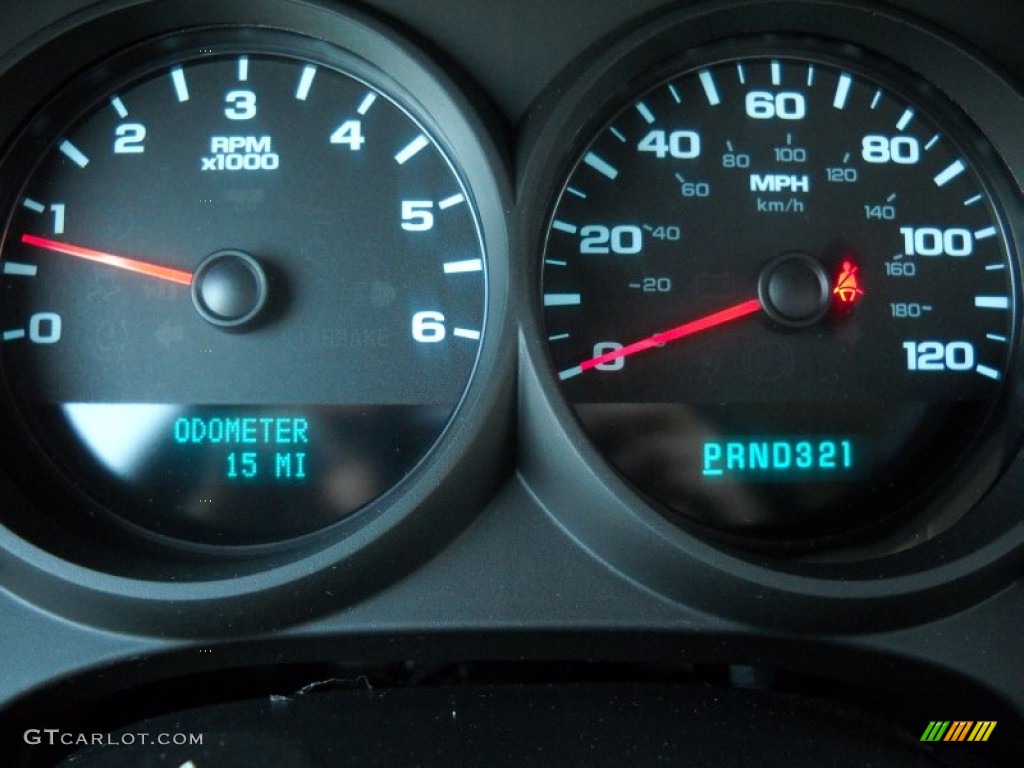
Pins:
<point x="847" y="286"/>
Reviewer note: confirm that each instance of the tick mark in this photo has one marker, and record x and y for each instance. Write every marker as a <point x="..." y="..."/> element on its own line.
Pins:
<point x="180" y="85"/>
<point x="601" y="166"/>
<point x="561" y="299"/>
<point x="366" y="103"/>
<point x="411" y="149"/>
<point x="305" y="82"/>
<point x="842" y="91"/>
<point x="449" y="202"/>
<point x="990" y="373"/>
<point x="707" y="81"/>
<point x="951" y="172"/>
<point x="468" y="265"/>
<point x="74" y="154"/>
<point x="19" y="269"/>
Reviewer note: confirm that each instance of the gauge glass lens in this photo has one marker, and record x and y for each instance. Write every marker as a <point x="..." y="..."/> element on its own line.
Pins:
<point x="778" y="292"/>
<point x="243" y="293"/>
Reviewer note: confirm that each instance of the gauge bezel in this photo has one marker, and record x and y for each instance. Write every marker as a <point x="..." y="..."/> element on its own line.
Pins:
<point x="979" y="456"/>
<point x="94" y="573"/>
<point x="57" y="459"/>
<point x="603" y="512"/>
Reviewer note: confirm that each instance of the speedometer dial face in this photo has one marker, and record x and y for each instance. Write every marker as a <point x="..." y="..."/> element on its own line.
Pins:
<point x="778" y="291"/>
<point x="243" y="291"/>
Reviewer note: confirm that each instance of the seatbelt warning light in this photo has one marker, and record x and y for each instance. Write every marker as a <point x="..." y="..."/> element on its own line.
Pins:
<point x="847" y="286"/>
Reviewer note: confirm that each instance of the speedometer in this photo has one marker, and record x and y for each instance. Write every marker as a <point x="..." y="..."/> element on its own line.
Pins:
<point x="779" y="291"/>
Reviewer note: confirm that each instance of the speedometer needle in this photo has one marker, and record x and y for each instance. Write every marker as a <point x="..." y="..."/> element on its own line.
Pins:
<point x="659" y="339"/>
<point x="121" y="262"/>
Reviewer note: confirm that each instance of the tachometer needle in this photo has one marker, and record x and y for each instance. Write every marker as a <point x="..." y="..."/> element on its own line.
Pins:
<point x="660" y="339"/>
<point x="121" y="262"/>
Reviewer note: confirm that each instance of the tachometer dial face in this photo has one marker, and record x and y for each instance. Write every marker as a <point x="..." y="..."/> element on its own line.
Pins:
<point x="778" y="291"/>
<point x="243" y="292"/>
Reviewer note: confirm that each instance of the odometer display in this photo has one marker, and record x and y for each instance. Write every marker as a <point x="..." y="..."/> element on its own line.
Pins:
<point x="778" y="292"/>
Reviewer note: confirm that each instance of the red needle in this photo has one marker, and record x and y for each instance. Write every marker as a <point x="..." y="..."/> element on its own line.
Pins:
<point x="660" y="339"/>
<point x="121" y="262"/>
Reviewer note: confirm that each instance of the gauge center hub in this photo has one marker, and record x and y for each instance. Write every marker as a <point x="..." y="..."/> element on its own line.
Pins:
<point x="229" y="288"/>
<point x="794" y="289"/>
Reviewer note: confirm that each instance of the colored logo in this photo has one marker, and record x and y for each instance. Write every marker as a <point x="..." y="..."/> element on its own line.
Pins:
<point x="958" y="730"/>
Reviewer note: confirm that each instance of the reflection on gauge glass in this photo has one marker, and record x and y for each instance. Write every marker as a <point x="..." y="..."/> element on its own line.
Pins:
<point x="778" y="290"/>
<point x="243" y="285"/>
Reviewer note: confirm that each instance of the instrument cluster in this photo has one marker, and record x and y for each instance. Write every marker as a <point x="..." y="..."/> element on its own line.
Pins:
<point x="304" y="322"/>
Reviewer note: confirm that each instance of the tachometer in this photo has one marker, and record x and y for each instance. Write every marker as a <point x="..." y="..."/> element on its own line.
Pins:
<point x="778" y="289"/>
<point x="244" y="284"/>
